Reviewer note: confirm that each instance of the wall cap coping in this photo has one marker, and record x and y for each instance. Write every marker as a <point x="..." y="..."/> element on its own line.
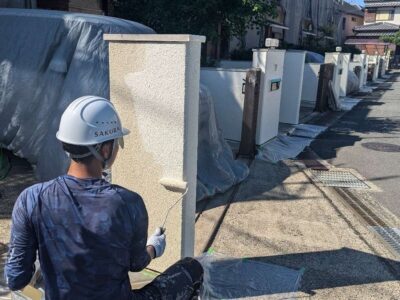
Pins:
<point x="158" y="38"/>
<point x="268" y="50"/>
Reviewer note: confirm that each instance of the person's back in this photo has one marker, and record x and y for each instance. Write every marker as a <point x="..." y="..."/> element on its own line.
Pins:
<point x="86" y="232"/>
<point x="89" y="234"/>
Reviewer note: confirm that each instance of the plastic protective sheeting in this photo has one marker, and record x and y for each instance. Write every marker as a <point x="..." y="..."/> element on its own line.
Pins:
<point x="48" y="59"/>
<point x="313" y="57"/>
<point x="233" y="278"/>
<point x="353" y="83"/>
<point x="217" y="170"/>
<point x="348" y="103"/>
<point x="286" y="146"/>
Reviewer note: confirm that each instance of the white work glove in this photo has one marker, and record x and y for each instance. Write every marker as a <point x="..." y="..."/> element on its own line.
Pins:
<point x="157" y="240"/>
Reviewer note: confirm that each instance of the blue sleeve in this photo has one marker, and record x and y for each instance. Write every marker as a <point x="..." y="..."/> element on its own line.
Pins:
<point x="20" y="265"/>
<point x="139" y="256"/>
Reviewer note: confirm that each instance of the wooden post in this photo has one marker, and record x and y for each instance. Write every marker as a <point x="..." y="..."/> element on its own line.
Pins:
<point x="323" y="94"/>
<point x="250" y="112"/>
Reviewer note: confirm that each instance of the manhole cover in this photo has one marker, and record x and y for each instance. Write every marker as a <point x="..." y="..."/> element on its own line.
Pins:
<point x="382" y="147"/>
<point x="343" y="179"/>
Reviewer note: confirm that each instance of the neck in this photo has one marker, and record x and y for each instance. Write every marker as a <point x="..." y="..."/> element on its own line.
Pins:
<point x="83" y="171"/>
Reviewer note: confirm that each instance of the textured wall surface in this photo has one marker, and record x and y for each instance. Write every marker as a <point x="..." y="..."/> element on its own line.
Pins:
<point x="154" y="85"/>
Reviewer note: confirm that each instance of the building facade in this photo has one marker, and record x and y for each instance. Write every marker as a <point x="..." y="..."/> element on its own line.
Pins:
<point x="306" y="22"/>
<point x="382" y="18"/>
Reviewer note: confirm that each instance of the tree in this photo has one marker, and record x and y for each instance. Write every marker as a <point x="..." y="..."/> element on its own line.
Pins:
<point x="393" y="39"/>
<point x="216" y="19"/>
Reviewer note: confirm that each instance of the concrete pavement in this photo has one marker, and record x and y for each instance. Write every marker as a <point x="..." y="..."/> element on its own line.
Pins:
<point x="279" y="216"/>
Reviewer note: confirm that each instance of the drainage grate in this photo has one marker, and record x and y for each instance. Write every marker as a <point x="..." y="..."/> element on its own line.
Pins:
<point x="335" y="178"/>
<point x="390" y="235"/>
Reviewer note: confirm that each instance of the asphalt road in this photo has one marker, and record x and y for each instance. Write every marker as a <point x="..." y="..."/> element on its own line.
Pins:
<point x="368" y="139"/>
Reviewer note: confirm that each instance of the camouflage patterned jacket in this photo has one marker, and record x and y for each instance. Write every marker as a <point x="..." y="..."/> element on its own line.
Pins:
<point x="88" y="234"/>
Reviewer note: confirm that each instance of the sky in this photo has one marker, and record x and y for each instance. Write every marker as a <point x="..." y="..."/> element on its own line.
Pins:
<point x="359" y="2"/>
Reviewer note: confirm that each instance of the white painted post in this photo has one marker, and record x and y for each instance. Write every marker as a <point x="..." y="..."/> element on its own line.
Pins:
<point x="293" y="72"/>
<point x="375" y="59"/>
<point x="383" y="62"/>
<point x="154" y="85"/>
<point x="345" y="74"/>
<point x="364" y="69"/>
<point x="336" y="59"/>
<point x="270" y="61"/>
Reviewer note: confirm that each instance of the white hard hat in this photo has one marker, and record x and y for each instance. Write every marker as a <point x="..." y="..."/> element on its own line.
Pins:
<point x="90" y="120"/>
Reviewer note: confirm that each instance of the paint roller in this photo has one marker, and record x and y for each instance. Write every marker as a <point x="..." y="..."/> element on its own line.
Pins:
<point x="173" y="185"/>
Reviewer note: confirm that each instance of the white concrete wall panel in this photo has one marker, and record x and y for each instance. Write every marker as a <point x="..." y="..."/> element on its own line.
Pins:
<point x="270" y="61"/>
<point x="225" y="86"/>
<point x="293" y="72"/>
<point x="310" y="82"/>
<point x="154" y="85"/>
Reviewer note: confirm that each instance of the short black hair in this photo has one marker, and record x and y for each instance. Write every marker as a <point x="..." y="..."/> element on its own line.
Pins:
<point x="78" y="150"/>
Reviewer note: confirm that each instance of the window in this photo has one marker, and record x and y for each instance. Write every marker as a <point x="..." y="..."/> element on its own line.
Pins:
<point x="353" y="19"/>
<point x="344" y="24"/>
<point x="384" y="15"/>
<point x="370" y="15"/>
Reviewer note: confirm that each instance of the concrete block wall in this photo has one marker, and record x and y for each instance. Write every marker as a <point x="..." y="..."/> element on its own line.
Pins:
<point x="154" y="85"/>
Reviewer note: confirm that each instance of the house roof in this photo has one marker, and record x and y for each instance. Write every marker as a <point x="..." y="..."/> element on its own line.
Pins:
<point x="352" y="9"/>
<point x="380" y="26"/>
<point x="381" y="3"/>
<point x="375" y="33"/>
<point x="365" y="42"/>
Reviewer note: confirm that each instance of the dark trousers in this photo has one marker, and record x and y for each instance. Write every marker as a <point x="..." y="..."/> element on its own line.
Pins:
<point x="179" y="282"/>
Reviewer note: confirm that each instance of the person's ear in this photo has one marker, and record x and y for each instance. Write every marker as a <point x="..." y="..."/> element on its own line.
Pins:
<point x="106" y="150"/>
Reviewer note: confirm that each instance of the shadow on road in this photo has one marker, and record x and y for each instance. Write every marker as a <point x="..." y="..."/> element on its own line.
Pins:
<point x="337" y="268"/>
<point x="346" y="132"/>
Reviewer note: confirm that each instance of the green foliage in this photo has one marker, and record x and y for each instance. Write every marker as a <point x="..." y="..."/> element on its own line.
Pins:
<point x="241" y="54"/>
<point x="319" y="46"/>
<point x="203" y="17"/>
<point x="394" y="39"/>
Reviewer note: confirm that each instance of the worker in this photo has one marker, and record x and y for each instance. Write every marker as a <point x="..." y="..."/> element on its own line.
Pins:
<point x="87" y="232"/>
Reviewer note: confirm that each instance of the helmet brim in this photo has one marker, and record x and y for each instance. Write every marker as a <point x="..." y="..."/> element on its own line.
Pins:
<point x="125" y="131"/>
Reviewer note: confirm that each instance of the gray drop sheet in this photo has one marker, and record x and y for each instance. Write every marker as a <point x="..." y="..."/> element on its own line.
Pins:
<point x="236" y="278"/>
<point x="286" y="146"/>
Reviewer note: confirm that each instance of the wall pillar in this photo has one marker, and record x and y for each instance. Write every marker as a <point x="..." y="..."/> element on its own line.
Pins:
<point x="335" y="58"/>
<point x="345" y="74"/>
<point x="270" y="61"/>
<point x="154" y="85"/>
